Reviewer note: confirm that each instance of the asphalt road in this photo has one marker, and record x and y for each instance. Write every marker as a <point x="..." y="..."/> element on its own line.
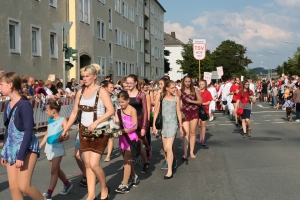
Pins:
<point x="229" y="167"/>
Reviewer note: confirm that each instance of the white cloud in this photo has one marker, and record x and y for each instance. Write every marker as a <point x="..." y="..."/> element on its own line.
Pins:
<point x="288" y="3"/>
<point x="182" y="33"/>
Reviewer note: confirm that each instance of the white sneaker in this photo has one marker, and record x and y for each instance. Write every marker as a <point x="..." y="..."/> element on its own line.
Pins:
<point x="297" y="120"/>
<point x="210" y="119"/>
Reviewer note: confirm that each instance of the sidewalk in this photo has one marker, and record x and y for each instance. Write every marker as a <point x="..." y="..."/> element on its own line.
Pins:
<point x="41" y="132"/>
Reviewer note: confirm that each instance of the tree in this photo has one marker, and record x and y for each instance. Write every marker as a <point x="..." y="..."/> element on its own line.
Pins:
<point x="250" y="74"/>
<point x="291" y="66"/>
<point x="166" y="61"/>
<point x="190" y="65"/>
<point x="232" y="57"/>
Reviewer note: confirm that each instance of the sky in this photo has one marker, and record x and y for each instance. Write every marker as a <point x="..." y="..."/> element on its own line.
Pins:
<point x="258" y="25"/>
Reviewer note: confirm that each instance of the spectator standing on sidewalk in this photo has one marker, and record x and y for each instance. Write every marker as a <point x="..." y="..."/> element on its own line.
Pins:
<point x="296" y="100"/>
<point x="274" y="93"/>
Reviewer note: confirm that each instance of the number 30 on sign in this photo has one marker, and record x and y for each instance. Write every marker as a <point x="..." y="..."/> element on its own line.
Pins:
<point x="199" y="51"/>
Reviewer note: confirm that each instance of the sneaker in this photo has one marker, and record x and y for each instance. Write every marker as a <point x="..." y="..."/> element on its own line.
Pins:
<point x="249" y="132"/>
<point x="174" y="165"/>
<point x="47" y="196"/>
<point x="165" y="165"/>
<point x="149" y="153"/>
<point x="66" y="189"/>
<point x="297" y="120"/>
<point x="137" y="160"/>
<point x="203" y="143"/>
<point x="145" y="168"/>
<point x="122" y="189"/>
<point x="135" y="181"/>
<point x="210" y="119"/>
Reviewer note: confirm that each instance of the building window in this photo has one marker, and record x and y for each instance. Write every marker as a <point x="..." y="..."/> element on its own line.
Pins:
<point x="110" y="19"/>
<point x="102" y="1"/>
<point x="110" y="52"/>
<point x="53" y="3"/>
<point x="102" y="64"/>
<point x="36" y="41"/>
<point x="141" y="22"/>
<point x="101" y="31"/>
<point x="14" y="36"/>
<point x="136" y="7"/>
<point x="53" y="45"/>
<point x="125" y="10"/>
<point x="137" y="33"/>
<point x="118" y="6"/>
<point x="125" y="39"/>
<point x="118" y="36"/>
<point x="84" y="10"/>
<point x="131" y="14"/>
<point x="131" y="42"/>
<point x="152" y="51"/>
<point x="118" y="68"/>
<point x="141" y="46"/>
<point x="146" y="71"/>
<point x="132" y="71"/>
<point x="126" y="69"/>
<point x="142" y="71"/>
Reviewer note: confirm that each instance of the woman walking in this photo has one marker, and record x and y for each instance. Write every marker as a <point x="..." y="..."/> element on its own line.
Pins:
<point x="88" y="99"/>
<point x="171" y="117"/>
<point x="139" y="102"/>
<point x="190" y="101"/>
<point x="244" y="99"/>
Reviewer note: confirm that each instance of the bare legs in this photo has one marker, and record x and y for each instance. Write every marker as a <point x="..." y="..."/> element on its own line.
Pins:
<point x="189" y="133"/>
<point x="20" y="179"/>
<point x="93" y="171"/>
<point x="245" y="123"/>
<point x="168" y="143"/>
<point x="56" y="172"/>
<point x="110" y="148"/>
<point x="79" y="161"/>
<point x="128" y="168"/>
<point x="202" y="129"/>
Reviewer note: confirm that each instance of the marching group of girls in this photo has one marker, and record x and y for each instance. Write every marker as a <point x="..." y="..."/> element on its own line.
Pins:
<point x="94" y="105"/>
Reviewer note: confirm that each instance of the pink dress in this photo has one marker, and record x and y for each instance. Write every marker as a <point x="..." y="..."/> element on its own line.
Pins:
<point x="127" y="123"/>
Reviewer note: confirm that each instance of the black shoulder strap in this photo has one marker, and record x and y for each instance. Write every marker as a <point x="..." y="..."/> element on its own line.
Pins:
<point x="11" y="112"/>
<point x="120" y="118"/>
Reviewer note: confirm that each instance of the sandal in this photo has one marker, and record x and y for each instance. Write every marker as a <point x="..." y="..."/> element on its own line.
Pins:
<point x="249" y="132"/>
<point x="184" y="158"/>
<point x="83" y="182"/>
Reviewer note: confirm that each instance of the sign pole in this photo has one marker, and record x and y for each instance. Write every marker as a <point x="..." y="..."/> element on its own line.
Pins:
<point x="199" y="72"/>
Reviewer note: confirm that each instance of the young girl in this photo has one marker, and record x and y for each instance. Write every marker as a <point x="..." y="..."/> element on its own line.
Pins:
<point x="190" y="101"/>
<point x="54" y="149"/>
<point x="129" y="121"/>
<point x="20" y="146"/>
<point x="171" y="113"/>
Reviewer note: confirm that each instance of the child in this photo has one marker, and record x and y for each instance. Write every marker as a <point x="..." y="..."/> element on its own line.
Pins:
<point x="288" y="105"/>
<point x="129" y="120"/>
<point x="20" y="146"/>
<point x="54" y="149"/>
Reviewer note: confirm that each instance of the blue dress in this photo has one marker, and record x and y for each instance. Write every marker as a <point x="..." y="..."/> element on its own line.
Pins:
<point x="54" y="148"/>
<point x="14" y="140"/>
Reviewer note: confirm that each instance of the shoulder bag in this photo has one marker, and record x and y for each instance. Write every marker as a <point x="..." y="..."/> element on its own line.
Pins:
<point x="202" y="113"/>
<point x="159" y="118"/>
<point x="135" y="146"/>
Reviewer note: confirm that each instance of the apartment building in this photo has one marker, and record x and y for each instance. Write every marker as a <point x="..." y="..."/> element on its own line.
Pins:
<point x="174" y="46"/>
<point x="29" y="43"/>
<point x="122" y="36"/>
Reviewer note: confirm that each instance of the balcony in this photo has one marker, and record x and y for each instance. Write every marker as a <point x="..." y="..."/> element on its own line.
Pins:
<point x="147" y="58"/>
<point x="147" y="13"/>
<point x="147" y="35"/>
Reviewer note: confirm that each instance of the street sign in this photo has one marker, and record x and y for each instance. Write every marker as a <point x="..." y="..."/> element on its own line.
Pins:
<point x="207" y="76"/>
<point x="220" y="71"/>
<point x="59" y="26"/>
<point x="199" y="49"/>
<point x="215" y="75"/>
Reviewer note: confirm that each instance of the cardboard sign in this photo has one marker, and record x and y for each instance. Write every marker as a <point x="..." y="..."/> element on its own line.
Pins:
<point x="207" y="76"/>
<point x="199" y="49"/>
<point x="51" y="77"/>
<point x="220" y="71"/>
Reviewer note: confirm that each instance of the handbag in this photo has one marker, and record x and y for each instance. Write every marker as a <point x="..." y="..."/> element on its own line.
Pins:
<point x="240" y="111"/>
<point x="159" y="118"/>
<point x="202" y="113"/>
<point x="135" y="146"/>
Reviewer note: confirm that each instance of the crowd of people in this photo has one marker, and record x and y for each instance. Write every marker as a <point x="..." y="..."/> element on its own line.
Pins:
<point x="139" y="107"/>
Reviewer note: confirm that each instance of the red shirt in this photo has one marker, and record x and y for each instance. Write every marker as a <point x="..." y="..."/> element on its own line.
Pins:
<point x="234" y="88"/>
<point x="206" y="96"/>
<point x="244" y="98"/>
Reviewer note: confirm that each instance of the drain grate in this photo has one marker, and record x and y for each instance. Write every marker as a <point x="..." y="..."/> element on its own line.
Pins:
<point x="265" y="138"/>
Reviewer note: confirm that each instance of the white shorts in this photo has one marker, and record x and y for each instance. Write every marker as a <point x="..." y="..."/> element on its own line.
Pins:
<point x="212" y="106"/>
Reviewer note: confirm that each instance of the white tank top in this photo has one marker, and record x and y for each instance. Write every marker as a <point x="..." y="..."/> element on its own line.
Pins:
<point x="87" y="118"/>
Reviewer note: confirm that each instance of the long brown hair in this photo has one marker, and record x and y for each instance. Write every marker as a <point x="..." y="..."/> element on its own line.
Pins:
<point x="191" y="86"/>
<point x="243" y="88"/>
<point x="167" y="84"/>
<point x="135" y="79"/>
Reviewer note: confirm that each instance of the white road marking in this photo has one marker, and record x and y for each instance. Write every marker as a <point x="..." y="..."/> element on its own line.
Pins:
<point x="257" y="123"/>
<point x="278" y="122"/>
<point x="225" y="124"/>
<point x="267" y="112"/>
<point x="267" y="120"/>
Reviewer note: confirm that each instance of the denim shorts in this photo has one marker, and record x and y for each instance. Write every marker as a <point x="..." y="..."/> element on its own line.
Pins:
<point x="77" y="143"/>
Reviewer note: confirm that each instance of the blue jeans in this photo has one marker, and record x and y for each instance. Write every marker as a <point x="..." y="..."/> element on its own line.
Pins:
<point x="274" y="100"/>
<point x="297" y="110"/>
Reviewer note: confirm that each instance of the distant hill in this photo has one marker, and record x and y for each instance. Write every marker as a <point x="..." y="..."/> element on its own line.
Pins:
<point x="261" y="70"/>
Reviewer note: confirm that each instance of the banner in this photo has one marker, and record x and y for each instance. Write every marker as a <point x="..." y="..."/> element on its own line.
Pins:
<point x="220" y="71"/>
<point x="207" y="76"/>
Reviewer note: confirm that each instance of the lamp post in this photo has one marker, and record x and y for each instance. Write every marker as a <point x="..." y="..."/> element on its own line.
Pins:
<point x="288" y="42"/>
<point x="272" y="52"/>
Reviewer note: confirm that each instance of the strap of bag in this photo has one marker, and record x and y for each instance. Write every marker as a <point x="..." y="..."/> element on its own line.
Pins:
<point x="11" y="112"/>
<point x="121" y="125"/>
<point x="160" y="106"/>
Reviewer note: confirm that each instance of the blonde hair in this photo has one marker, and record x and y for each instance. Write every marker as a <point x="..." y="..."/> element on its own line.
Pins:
<point x="48" y="82"/>
<point x="92" y="69"/>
